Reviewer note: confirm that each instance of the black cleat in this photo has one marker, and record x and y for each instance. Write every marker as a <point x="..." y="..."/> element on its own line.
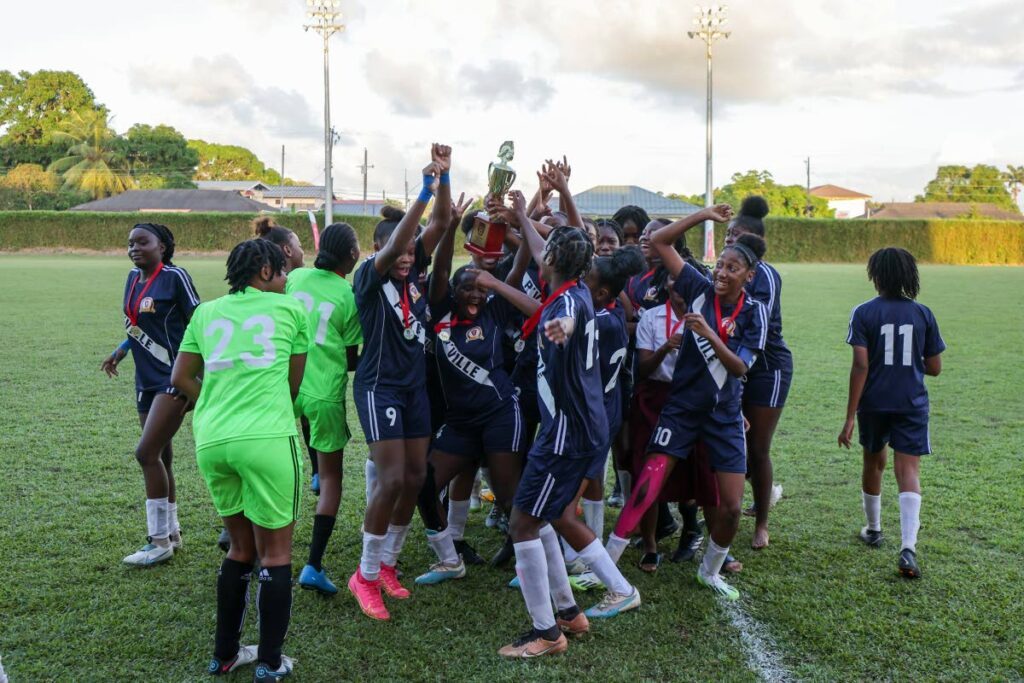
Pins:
<point x="908" y="564"/>
<point x="469" y="554"/>
<point x="504" y="555"/>
<point x="871" y="538"/>
<point x="689" y="544"/>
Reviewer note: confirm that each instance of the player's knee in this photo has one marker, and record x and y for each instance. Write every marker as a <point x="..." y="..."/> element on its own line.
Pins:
<point x="389" y="484"/>
<point x="728" y="514"/>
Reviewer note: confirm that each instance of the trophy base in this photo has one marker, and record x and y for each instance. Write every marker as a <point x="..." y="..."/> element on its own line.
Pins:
<point x="482" y="253"/>
<point x="487" y="238"/>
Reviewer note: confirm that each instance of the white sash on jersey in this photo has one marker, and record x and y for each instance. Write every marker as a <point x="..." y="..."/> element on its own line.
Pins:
<point x="715" y="367"/>
<point x="531" y="289"/>
<point x="463" y="364"/>
<point x="395" y="299"/>
<point x="154" y="349"/>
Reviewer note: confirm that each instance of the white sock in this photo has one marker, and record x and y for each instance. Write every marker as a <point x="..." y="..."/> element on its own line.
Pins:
<point x="910" y="518"/>
<point x="558" y="579"/>
<point x="872" y="510"/>
<point x="172" y="511"/>
<point x="625" y="483"/>
<point x="531" y="567"/>
<point x="371" y="479"/>
<point x="593" y="515"/>
<point x="458" y="513"/>
<point x="568" y="552"/>
<point x="443" y="546"/>
<point x="484" y="475"/>
<point x="714" y="558"/>
<point x="157" y="519"/>
<point x="369" y="563"/>
<point x="616" y="546"/>
<point x="393" y="544"/>
<point x="602" y="564"/>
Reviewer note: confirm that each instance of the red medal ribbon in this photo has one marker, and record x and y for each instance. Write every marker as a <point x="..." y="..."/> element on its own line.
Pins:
<point x="723" y="331"/>
<point x="610" y="307"/>
<point x="670" y="329"/>
<point x="134" y="318"/>
<point x="405" y="304"/>
<point x="531" y="323"/>
<point x="454" y="322"/>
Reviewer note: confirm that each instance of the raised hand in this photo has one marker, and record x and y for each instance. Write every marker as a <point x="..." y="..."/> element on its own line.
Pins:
<point x="564" y="167"/>
<point x="442" y="156"/>
<point x="555" y="177"/>
<point x="433" y="169"/>
<point x="721" y="213"/>
<point x="518" y="200"/>
<point x="483" y="278"/>
<point x="459" y="208"/>
<point x="542" y="180"/>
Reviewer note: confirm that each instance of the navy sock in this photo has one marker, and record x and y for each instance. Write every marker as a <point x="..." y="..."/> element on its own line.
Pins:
<point x="232" y="601"/>
<point x="274" y="599"/>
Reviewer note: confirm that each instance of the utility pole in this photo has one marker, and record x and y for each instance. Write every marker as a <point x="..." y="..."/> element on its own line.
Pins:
<point x="406" y="189"/>
<point x="365" y="167"/>
<point x="709" y="22"/>
<point x="324" y="17"/>
<point x="807" y="162"/>
<point x="282" y="178"/>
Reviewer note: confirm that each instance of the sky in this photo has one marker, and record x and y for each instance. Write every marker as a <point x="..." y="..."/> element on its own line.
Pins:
<point x="877" y="93"/>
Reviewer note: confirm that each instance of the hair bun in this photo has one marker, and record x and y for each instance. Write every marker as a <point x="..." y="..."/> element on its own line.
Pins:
<point x="262" y="226"/>
<point x="390" y="213"/>
<point x="754" y="206"/>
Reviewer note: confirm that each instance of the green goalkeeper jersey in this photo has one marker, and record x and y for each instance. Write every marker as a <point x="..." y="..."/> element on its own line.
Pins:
<point x="333" y="326"/>
<point x="246" y="340"/>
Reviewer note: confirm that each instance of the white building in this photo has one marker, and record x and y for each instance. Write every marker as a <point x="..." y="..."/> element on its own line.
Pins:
<point x="846" y="203"/>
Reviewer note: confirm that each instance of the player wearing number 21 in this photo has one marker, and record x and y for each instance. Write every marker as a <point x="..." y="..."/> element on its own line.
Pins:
<point x="895" y="342"/>
<point x="250" y="347"/>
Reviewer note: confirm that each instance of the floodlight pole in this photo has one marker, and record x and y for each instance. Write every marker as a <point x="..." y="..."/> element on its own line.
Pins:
<point x="709" y="22"/>
<point x="324" y="16"/>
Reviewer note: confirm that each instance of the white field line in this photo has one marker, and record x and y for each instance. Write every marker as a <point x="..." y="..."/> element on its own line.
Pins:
<point x="763" y="657"/>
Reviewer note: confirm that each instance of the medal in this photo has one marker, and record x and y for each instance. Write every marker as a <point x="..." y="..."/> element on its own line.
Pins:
<point x="727" y="327"/>
<point x="409" y="333"/>
<point x="134" y="316"/>
<point x="444" y="335"/>
<point x="519" y="345"/>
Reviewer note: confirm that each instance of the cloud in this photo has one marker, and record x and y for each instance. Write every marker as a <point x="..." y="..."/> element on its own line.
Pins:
<point x="413" y="89"/>
<point x="501" y="81"/>
<point x="222" y="84"/>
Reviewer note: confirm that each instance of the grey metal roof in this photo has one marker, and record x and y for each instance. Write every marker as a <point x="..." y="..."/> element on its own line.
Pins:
<point x="233" y="185"/>
<point x="354" y="207"/>
<point x="292" y="191"/>
<point x="175" y="200"/>
<point x="605" y="200"/>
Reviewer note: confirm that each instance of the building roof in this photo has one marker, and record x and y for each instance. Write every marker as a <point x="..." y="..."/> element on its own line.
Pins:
<point x="290" y="191"/>
<point x="233" y="185"/>
<point x="354" y="207"/>
<point x="836" y="192"/>
<point x="605" y="200"/>
<point x="175" y="200"/>
<point x="945" y="210"/>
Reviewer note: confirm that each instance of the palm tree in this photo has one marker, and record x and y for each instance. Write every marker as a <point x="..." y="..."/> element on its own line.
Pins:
<point x="1014" y="177"/>
<point x="91" y="164"/>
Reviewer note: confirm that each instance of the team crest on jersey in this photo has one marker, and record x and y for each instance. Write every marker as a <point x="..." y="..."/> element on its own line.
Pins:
<point x="652" y="294"/>
<point x="414" y="292"/>
<point x="730" y="326"/>
<point x="474" y="333"/>
<point x="147" y="305"/>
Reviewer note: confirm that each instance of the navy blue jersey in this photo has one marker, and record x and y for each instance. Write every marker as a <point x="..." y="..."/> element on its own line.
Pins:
<point x="470" y="360"/>
<point x="525" y="372"/>
<point x="898" y="334"/>
<point x="643" y="293"/>
<point x="700" y="381"/>
<point x="163" y="309"/>
<point x="390" y="360"/>
<point x="612" y="340"/>
<point x="766" y="287"/>
<point x="573" y="422"/>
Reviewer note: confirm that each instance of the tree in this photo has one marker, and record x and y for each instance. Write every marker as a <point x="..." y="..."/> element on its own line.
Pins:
<point x="1014" y="177"/>
<point x="32" y="108"/>
<point x="784" y="200"/>
<point x="226" y="162"/>
<point x="980" y="184"/>
<point x="160" y="154"/>
<point x="92" y="163"/>
<point x="28" y="182"/>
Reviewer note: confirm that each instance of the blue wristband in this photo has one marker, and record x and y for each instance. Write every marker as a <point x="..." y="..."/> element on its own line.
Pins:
<point x="425" y="194"/>
<point x="446" y="179"/>
<point x="123" y="346"/>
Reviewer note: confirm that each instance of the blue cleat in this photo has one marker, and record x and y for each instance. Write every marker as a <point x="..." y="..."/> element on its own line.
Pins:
<point x="314" y="485"/>
<point x="441" y="572"/>
<point x="514" y="583"/>
<point x="313" y="580"/>
<point x="613" y="604"/>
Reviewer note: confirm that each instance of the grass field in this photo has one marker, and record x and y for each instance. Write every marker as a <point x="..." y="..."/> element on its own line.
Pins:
<point x="816" y="604"/>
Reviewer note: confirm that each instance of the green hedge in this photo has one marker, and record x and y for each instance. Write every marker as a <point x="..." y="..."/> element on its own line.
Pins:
<point x="789" y="239"/>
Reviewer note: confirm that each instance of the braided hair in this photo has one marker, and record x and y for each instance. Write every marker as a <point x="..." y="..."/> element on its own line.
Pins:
<point x="265" y="228"/>
<point x="247" y="259"/>
<point x="336" y="245"/>
<point x="894" y="273"/>
<point x="632" y="213"/>
<point x="569" y="252"/>
<point x="163" y="235"/>
<point x="615" y="270"/>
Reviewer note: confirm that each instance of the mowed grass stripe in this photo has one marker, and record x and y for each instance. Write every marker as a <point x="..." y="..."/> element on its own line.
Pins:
<point x="72" y="504"/>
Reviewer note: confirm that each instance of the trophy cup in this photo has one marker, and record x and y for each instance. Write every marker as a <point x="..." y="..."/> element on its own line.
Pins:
<point x="488" y="235"/>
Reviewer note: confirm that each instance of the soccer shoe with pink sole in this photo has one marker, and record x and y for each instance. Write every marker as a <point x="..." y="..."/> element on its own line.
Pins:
<point x="367" y="594"/>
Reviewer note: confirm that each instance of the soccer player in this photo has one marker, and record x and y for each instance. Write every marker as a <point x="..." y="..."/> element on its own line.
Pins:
<point x="896" y="342"/>
<point x="264" y="227"/>
<point x="250" y="349"/>
<point x="159" y="299"/>
<point x="573" y="433"/>
<point x="767" y="383"/>
<point x="705" y="399"/>
<point x="334" y="348"/>
<point x="482" y="416"/>
<point x="633" y="219"/>
<point x="390" y="385"/>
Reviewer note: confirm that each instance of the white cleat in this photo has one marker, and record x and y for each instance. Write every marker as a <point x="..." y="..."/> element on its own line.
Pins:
<point x="148" y="555"/>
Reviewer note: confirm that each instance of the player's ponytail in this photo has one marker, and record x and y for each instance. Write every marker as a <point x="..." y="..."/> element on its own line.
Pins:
<point x="264" y="227"/>
<point x="614" y="271"/>
<point x="337" y="244"/>
<point x="247" y="259"/>
<point x="751" y="217"/>
<point x="894" y="273"/>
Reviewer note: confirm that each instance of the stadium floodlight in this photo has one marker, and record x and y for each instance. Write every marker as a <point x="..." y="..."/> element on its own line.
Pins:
<point x="708" y="23"/>
<point x="324" y="18"/>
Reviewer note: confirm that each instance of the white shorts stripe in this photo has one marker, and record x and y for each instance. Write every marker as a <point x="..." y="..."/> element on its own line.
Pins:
<point x="542" y="499"/>
<point x="517" y="434"/>
<point x="774" y="403"/>
<point x="371" y="406"/>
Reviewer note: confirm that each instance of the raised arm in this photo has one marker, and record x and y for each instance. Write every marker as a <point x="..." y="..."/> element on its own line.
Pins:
<point x="526" y="304"/>
<point x="441" y="216"/>
<point x="555" y="175"/>
<point x="399" y="240"/>
<point x="442" y="270"/>
<point x="664" y="238"/>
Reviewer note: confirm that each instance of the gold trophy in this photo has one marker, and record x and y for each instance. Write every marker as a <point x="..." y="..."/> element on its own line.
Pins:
<point x="488" y="236"/>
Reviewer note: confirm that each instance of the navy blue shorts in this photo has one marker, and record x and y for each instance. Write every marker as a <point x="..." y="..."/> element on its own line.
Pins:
<point x="549" y="483"/>
<point x="768" y="388"/>
<point x="144" y="399"/>
<point x="596" y="468"/>
<point x="907" y="433"/>
<point x="529" y="403"/>
<point x="393" y="413"/>
<point x="722" y="432"/>
<point x="502" y="431"/>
